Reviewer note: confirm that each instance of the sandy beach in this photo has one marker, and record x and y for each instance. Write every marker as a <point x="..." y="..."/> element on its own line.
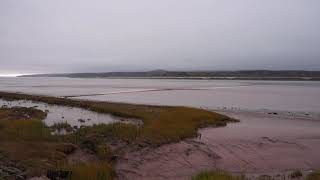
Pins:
<point x="262" y="143"/>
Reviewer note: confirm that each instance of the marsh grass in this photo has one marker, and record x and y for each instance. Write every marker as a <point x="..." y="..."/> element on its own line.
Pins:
<point x="92" y="171"/>
<point x="216" y="175"/>
<point x="62" y="126"/>
<point x="161" y="124"/>
<point x="31" y="142"/>
<point x="21" y="113"/>
<point x="16" y="128"/>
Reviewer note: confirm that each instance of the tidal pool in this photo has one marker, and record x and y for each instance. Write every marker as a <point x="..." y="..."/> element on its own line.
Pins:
<point x="73" y="116"/>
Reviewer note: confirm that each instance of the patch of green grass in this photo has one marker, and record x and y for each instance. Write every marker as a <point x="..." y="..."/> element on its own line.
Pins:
<point x="216" y="175"/>
<point x="14" y="126"/>
<point x="94" y="138"/>
<point x="162" y="124"/>
<point x="114" y="131"/>
<point x="25" y="139"/>
<point x="31" y="144"/>
<point x="314" y="176"/>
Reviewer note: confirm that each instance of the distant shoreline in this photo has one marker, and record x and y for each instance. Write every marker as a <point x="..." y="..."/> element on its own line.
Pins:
<point x="198" y="78"/>
<point x="283" y="75"/>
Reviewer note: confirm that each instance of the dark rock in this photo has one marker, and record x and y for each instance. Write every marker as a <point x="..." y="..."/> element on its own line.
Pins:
<point x="114" y="157"/>
<point x="81" y="120"/>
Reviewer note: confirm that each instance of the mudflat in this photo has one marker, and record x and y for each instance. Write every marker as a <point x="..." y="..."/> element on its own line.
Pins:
<point x="262" y="143"/>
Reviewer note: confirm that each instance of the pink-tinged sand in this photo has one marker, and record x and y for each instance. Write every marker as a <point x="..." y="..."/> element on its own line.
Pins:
<point x="261" y="143"/>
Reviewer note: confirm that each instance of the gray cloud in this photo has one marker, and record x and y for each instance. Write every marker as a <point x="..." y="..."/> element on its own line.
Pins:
<point x="38" y="36"/>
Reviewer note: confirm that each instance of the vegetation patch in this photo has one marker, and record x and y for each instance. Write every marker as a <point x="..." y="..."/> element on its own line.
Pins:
<point x="28" y="148"/>
<point x="85" y="171"/>
<point x="161" y="124"/>
<point x="27" y="141"/>
<point x="62" y="126"/>
<point x="216" y="175"/>
<point x="21" y="113"/>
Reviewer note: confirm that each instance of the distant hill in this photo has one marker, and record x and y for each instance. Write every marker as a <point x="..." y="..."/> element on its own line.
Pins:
<point x="245" y="74"/>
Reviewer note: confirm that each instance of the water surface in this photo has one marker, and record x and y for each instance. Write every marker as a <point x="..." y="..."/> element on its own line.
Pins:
<point x="303" y="96"/>
<point x="71" y="115"/>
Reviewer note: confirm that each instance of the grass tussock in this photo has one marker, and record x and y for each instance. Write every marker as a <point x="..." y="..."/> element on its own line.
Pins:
<point x="216" y="175"/>
<point x="92" y="171"/>
<point x="314" y="176"/>
<point x="162" y="124"/>
<point x="62" y="126"/>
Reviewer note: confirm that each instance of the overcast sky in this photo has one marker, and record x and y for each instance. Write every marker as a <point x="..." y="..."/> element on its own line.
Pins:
<point x="40" y="36"/>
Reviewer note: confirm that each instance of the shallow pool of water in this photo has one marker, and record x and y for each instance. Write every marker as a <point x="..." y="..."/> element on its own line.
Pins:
<point x="71" y="115"/>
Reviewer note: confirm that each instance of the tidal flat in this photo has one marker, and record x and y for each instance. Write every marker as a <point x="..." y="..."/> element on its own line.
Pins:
<point x="262" y="145"/>
<point x="234" y="129"/>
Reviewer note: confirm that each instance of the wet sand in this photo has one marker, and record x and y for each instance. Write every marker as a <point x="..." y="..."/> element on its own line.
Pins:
<point x="272" y="143"/>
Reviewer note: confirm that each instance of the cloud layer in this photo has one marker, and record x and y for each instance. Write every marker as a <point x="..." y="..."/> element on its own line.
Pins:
<point x="39" y="36"/>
